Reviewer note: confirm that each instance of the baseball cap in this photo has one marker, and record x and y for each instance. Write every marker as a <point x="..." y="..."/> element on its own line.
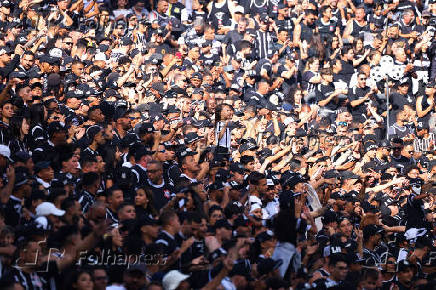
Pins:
<point x="21" y="176"/>
<point x="173" y="279"/>
<point x="21" y="156"/>
<point x="264" y="17"/>
<point x="349" y="175"/>
<point x="247" y="146"/>
<point x="426" y="13"/>
<point x="291" y="179"/>
<point x="237" y="167"/>
<point x="216" y="186"/>
<point x="191" y="137"/>
<point x="147" y="221"/>
<point x="370" y="146"/>
<point x="197" y="75"/>
<point x="41" y="165"/>
<point x="5" y="50"/>
<point x="422" y="126"/>
<point x="145" y="128"/>
<point x="265" y="236"/>
<point x="239" y="9"/>
<point x="5" y="151"/>
<point x="48" y="208"/>
<point x="186" y="152"/>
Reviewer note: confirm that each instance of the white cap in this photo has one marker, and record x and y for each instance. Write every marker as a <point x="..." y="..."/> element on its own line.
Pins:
<point x="5" y="151"/>
<point x="173" y="279"/>
<point x="254" y="207"/>
<point x="100" y="56"/>
<point x="48" y="208"/>
<point x="42" y="223"/>
<point x="55" y="52"/>
<point x="239" y="9"/>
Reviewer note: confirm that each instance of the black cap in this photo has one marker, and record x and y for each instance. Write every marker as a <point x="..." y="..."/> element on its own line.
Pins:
<point x="370" y="146"/>
<point x="146" y="128"/>
<point x="21" y="156"/>
<point x="291" y="179"/>
<point x="49" y="59"/>
<point x="197" y="75"/>
<point x="241" y="269"/>
<point x="422" y="126"/>
<point x="147" y="221"/>
<point x="247" y="146"/>
<point x="216" y="186"/>
<point x="237" y="167"/>
<point x="265" y="236"/>
<point x="186" y="152"/>
<point x="21" y="176"/>
<point x="191" y="137"/>
<point x="264" y="17"/>
<point x="41" y="165"/>
<point x="332" y="173"/>
<point x="349" y="175"/>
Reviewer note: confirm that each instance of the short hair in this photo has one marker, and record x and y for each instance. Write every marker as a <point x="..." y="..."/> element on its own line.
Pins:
<point x="323" y="9"/>
<point x="166" y="217"/>
<point x="28" y="52"/>
<point x="123" y="205"/>
<point x="369" y="273"/>
<point x="68" y="203"/>
<point x="345" y="49"/>
<point x="90" y="178"/>
<point x="254" y="177"/>
<point x="214" y="208"/>
<point x="243" y="19"/>
<point x="87" y="160"/>
<point x="158" y="163"/>
<point x="408" y="11"/>
<point x="76" y="62"/>
<point x="336" y="258"/>
<point x="272" y="140"/>
<point x="111" y="190"/>
<point x="326" y="71"/>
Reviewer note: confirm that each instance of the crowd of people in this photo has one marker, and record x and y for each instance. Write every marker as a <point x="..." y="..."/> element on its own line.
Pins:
<point x="193" y="144"/>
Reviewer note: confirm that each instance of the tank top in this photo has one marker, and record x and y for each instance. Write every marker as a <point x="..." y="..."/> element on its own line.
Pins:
<point x="220" y="15"/>
<point x="358" y="29"/>
<point x="195" y="14"/>
<point x="306" y="32"/>
<point x="258" y="6"/>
